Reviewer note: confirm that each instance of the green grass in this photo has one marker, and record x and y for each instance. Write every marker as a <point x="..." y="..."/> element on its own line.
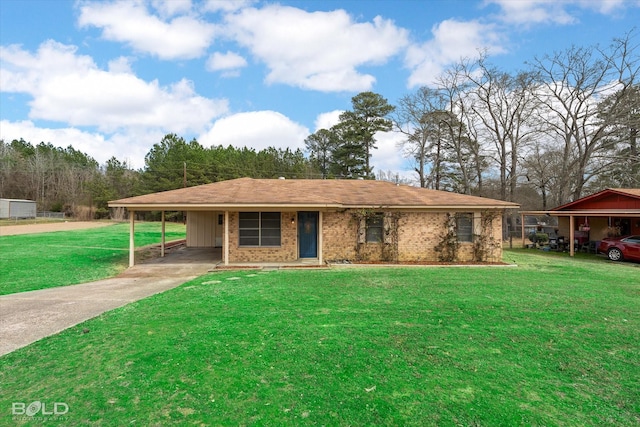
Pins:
<point x="46" y="260"/>
<point x="553" y="342"/>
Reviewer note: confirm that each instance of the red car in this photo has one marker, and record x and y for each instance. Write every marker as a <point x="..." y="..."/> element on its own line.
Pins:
<point x="619" y="248"/>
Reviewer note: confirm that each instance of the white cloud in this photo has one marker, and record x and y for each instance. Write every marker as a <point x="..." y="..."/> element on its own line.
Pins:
<point x="319" y="50"/>
<point x="70" y="88"/>
<point x="184" y="37"/>
<point x="452" y="41"/>
<point x="132" y="146"/>
<point x="388" y="157"/>
<point x="225" y="61"/>
<point x="120" y="65"/>
<point x="534" y="11"/>
<point x="226" y="5"/>
<point x="607" y="7"/>
<point x="171" y="7"/>
<point x="327" y="120"/>
<point x="530" y="12"/>
<point x="256" y="129"/>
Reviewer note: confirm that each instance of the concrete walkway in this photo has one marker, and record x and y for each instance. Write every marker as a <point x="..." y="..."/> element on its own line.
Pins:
<point x="27" y="317"/>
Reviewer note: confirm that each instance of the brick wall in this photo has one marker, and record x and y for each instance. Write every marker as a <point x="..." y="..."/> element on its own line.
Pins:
<point x="494" y="251"/>
<point x="339" y="236"/>
<point x="418" y="235"/>
<point x="421" y="232"/>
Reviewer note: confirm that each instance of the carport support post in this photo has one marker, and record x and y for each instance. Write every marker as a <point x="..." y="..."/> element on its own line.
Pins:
<point x="572" y="236"/>
<point x="163" y="237"/>
<point x="226" y="238"/>
<point x="132" y="243"/>
<point x="522" y="228"/>
<point x="320" y="238"/>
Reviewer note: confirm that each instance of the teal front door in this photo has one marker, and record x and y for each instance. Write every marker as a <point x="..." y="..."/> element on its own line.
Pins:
<point x="308" y="234"/>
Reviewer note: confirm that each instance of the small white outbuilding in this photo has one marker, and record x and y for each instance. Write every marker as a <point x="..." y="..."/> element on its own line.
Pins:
<point x="17" y="208"/>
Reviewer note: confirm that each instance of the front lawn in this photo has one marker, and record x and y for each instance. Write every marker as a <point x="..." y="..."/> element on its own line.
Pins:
<point x="554" y="341"/>
<point x="47" y="260"/>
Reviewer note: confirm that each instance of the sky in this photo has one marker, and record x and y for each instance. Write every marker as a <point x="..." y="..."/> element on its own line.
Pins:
<point x="111" y="78"/>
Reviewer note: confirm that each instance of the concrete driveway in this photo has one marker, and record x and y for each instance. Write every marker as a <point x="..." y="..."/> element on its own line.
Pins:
<point x="27" y="317"/>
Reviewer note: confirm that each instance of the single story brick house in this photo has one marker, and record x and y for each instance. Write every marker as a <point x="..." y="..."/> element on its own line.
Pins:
<point x="287" y="220"/>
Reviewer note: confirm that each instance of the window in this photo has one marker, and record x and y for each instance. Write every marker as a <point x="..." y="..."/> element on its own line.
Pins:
<point x="374" y="226"/>
<point x="464" y="227"/>
<point x="259" y="229"/>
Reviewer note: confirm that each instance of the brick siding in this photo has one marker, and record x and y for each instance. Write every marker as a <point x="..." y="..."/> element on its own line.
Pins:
<point x="418" y="235"/>
<point x="339" y="236"/>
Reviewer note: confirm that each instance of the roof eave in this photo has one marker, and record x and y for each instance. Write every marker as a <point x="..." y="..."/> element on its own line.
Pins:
<point x="587" y="212"/>
<point x="432" y="207"/>
<point x="218" y="207"/>
<point x="272" y="206"/>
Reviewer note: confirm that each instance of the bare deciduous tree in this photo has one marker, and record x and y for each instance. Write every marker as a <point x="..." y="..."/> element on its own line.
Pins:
<point x="424" y="121"/>
<point x="572" y="83"/>
<point x="465" y="151"/>
<point x="505" y="107"/>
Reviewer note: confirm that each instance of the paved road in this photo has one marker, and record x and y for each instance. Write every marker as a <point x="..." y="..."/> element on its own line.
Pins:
<point x="29" y="316"/>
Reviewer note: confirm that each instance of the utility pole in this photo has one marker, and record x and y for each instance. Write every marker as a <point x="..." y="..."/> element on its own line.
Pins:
<point x="184" y="184"/>
<point x="184" y="174"/>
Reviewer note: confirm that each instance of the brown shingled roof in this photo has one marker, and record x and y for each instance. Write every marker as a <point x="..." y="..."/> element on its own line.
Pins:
<point x="296" y="193"/>
<point x="635" y="192"/>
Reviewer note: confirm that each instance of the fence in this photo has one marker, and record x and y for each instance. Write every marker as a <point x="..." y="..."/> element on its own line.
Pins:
<point x="49" y="214"/>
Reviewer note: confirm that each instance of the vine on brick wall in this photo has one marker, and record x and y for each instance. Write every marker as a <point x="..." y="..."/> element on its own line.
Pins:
<point x="358" y="216"/>
<point x="484" y="244"/>
<point x="389" y="245"/>
<point x="390" y="230"/>
<point x="448" y="247"/>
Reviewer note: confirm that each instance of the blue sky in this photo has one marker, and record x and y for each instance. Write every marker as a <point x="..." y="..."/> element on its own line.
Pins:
<point x="112" y="78"/>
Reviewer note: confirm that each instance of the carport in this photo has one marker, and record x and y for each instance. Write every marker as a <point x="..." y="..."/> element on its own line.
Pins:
<point x="603" y="214"/>
<point x="576" y="217"/>
<point x="192" y="216"/>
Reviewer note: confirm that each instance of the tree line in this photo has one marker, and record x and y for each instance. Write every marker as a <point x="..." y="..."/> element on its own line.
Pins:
<point x="66" y="180"/>
<point x="564" y="126"/>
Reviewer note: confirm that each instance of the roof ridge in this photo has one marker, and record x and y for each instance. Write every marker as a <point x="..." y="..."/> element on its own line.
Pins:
<point x="311" y="193"/>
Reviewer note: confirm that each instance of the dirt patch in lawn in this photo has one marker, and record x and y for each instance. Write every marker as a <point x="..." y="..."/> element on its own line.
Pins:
<point x="11" y="230"/>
